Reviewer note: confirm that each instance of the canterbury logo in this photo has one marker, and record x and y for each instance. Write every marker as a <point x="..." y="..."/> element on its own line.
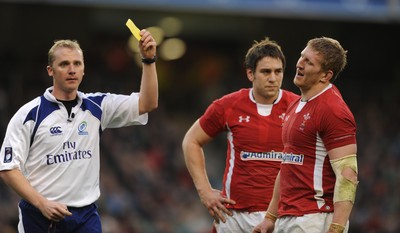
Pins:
<point x="55" y="130"/>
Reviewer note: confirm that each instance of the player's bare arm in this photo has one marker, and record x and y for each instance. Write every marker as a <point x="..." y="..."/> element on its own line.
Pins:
<point x="268" y="223"/>
<point x="344" y="164"/>
<point x="212" y="199"/>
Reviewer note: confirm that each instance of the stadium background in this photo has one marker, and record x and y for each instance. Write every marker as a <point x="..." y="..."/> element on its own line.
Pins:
<point x="144" y="183"/>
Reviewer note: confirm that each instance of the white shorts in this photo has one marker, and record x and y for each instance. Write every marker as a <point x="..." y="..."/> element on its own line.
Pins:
<point x="309" y="223"/>
<point x="240" y="222"/>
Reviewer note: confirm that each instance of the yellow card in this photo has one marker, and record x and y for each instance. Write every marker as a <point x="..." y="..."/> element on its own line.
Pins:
<point x="135" y="31"/>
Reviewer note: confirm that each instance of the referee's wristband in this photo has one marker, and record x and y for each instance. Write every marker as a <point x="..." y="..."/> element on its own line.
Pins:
<point x="149" y="60"/>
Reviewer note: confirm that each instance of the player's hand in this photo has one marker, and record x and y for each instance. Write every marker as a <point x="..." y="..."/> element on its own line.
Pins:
<point x="215" y="202"/>
<point x="54" y="211"/>
<point x="266" y="226"/>
<point x="147" y="44"/>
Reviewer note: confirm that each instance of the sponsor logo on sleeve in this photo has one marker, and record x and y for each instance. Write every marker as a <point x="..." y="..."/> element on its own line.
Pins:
<point x="8" y="155"/>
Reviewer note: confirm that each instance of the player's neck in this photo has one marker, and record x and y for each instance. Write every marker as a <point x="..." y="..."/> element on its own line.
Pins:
<point x="309" y="94"/>
<point x="264" y="100"/>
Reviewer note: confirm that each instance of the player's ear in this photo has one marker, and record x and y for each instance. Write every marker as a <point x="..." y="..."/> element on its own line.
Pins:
<point x="327" y="76"/>
<point x="250" y="75"/>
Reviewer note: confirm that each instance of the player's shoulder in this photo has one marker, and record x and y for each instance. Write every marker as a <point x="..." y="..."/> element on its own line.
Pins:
<point x="289" y="95"/>
<point x="235" y="96"/>
<point x="332" y="98"/>
<point x="239" y="93"/>
<point x="331" y="103"/>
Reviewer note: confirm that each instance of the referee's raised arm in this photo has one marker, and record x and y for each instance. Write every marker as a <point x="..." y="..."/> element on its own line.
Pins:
<point x="148" y="97"/>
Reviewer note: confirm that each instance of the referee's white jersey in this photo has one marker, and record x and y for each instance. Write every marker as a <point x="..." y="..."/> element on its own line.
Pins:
<point x="59" y="153"/>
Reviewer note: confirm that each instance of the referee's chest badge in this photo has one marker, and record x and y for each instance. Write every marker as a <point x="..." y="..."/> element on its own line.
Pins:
<point x="82" y="128"/>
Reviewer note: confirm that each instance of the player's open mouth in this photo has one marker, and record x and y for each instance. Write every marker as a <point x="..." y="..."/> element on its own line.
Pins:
<point x="299" y="73"/>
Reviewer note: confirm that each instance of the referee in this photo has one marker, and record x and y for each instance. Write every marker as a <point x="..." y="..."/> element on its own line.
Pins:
<point x="51" y="151"/>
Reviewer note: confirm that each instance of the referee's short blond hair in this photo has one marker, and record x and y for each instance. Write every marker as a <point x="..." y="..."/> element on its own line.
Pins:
<point x="72" y="44"/>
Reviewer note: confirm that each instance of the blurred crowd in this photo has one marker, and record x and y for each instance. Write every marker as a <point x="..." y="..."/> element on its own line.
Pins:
<point x="145" y="187"/>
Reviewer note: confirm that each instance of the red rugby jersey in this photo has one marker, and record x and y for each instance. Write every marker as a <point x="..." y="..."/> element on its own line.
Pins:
<point x="254" y="145"/>
<point x="310" y="130"/>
